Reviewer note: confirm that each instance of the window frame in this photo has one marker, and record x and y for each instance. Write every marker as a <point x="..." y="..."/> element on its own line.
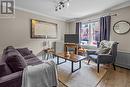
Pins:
<point x="89" y="22"/>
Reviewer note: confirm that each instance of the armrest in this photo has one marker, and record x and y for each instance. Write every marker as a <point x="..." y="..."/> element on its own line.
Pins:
<point x="91" y="52"/>
<point x="105" y="58"/>
<point x="11" y="80"/>
<point x="1" y="66"/>
<point x="3" y="69"/>
<point x="104" y="55"/>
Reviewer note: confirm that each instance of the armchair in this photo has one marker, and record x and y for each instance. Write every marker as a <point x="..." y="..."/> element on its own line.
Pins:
<point x="104" y="58"/>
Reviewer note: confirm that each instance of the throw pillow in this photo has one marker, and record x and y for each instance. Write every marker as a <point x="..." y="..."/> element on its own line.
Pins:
<point x="103" y="50"/>
<point x="24" y="51"/>
<point x="16" y="63"/>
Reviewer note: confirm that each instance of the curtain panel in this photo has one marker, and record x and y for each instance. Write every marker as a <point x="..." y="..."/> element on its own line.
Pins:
<point x="105" y="25"/>
<point x="78" y="26"/>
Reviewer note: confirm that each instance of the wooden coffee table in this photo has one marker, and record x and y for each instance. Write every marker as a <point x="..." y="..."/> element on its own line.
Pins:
<point x="73" y="58"/>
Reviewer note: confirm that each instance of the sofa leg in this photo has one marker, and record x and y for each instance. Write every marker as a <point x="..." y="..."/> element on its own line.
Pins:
<point x="88" y="61"/>
<point x="98" y="68"/>
<point x="114" y="66"/>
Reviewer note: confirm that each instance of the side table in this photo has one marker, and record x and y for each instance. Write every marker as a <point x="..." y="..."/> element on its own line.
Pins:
<point x="47" y="53"/>
<point x="82" y="51"/>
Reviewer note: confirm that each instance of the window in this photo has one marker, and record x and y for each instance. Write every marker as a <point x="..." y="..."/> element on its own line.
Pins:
<point x="90" y="33"/>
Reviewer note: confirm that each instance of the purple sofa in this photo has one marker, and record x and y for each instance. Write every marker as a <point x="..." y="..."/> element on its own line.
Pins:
<point x="12" y="63"/>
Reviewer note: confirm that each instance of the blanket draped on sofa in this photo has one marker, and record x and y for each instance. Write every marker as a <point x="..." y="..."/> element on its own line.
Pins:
<point x="42" y="75"/>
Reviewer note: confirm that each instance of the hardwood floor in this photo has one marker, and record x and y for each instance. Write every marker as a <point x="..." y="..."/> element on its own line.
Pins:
<point x="118" y="78"/>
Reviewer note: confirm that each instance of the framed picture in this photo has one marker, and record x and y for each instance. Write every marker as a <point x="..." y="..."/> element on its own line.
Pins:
<point x="43" y="29"/>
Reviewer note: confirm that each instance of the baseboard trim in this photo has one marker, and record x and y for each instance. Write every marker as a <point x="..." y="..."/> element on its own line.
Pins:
<point x="122" y="67"/>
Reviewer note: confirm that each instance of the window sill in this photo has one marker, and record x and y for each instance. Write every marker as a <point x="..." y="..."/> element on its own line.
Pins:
<point x="89" y="46"/>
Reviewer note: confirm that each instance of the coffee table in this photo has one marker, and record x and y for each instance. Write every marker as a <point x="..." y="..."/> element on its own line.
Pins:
<point x="73" y="58"/>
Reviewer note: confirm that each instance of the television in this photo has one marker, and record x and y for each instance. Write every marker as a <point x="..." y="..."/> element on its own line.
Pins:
<point x="71" y="38"/>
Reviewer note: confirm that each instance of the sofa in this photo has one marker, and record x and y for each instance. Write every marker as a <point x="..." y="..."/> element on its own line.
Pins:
<point x="12" y="63"/>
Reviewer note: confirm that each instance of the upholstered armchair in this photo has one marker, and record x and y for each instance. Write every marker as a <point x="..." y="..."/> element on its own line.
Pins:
<point x="104" y="56"/>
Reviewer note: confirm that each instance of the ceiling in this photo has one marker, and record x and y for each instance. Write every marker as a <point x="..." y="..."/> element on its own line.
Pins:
<point x="77" y="8"/>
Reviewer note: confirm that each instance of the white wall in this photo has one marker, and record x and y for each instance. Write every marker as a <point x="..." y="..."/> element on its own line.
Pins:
<point x="122" y="14"/>
<point x="124" y="40"/>
<point x="16" y="31"/>
<point x="72" y="27"/>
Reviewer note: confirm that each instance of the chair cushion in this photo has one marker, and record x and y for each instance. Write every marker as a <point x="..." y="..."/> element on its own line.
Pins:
<point x="24" y="51"/>
<point x="16" y="62"/>
<point x="94" y="58"/>
<point x="4" y="69"/>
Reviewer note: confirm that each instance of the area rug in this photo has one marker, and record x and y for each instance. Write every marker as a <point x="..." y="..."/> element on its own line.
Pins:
<point x="87" y="76"/>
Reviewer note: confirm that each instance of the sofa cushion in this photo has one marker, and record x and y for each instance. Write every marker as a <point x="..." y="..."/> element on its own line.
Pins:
<point x="29" y="56"/>
<point x="24" y="51"/>
<point x="16" y="62"/>
<point x="33" y="61"/>
<point x="4" y="69"/>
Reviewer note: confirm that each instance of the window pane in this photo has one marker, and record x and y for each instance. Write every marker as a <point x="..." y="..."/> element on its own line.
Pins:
<point x="90" y="33"/>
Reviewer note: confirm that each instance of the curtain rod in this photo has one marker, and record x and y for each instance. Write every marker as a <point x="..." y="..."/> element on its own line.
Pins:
<point x="113" y="15"/>
<point x="97" y="19"/>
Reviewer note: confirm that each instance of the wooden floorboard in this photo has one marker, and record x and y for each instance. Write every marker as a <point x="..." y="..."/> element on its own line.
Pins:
<point x="118" y="78"/>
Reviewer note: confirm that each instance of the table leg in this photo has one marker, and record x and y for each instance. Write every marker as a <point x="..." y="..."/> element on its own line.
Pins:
<point x="72" y="66"/>
<point x="53" y="55"/>
<point x="43" y="56"/>
<point x="57" y="60"/>
<point x="47" y="55"/>
<point x="79" y="64"/>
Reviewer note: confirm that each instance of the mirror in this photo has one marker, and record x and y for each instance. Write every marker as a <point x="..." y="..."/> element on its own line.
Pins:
<point x="121" y="27"/>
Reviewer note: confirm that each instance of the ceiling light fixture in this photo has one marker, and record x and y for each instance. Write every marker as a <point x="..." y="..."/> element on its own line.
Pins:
<point x="62" y="4"/>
